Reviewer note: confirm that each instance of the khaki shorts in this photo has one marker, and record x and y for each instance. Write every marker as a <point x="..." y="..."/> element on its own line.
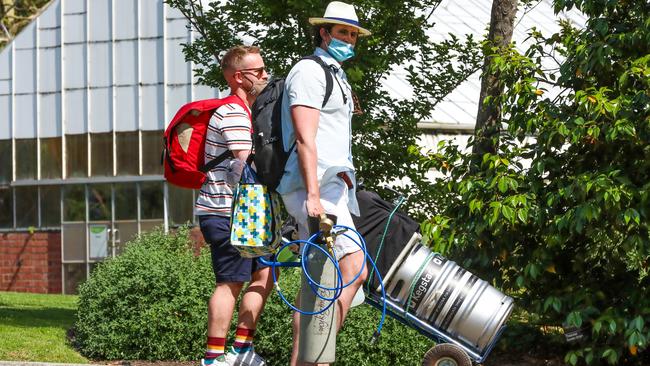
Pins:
<point x="334" y="198"/>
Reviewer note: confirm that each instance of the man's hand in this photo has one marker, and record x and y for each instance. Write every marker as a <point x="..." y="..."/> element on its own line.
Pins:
<point x="314" y="207"/>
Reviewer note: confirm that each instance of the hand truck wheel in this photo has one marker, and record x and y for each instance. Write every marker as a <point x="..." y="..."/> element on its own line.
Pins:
<point x="446" y="354"/>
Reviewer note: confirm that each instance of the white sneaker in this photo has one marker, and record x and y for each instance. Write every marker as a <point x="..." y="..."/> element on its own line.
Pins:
<point x="219" y="361"/>
<point x="248" y="358"/>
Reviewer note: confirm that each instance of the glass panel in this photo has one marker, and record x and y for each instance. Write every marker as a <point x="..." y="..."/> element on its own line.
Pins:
<point x="126" y="201"/>
<point x="181" y="205"/>
<point x="5" y="162"/>
<point x="26" y="206"/>
<point x="128" y="155"/>
<point x="76" y="150"/>
<point x="51" y="206"/>
<point x="73" y="275"/>
<point x="152" y="144"/>
<point x="6" y="208"/>
<point x="51" y="158"/>
<point x="126" y="231"/>
<point x="149" y="225"/>
<point x="151" y="200"/>
<point x="25" y="158"/>
<point x="74" y="242"/>
<point x="101" y="158"/>
<point x="74" y="203"/>
<point x="99" y="202"/>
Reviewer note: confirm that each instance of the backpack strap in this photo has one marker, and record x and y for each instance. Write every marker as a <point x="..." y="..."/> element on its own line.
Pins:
<point x="329" y="78"/>
<point x="216" y="161"/>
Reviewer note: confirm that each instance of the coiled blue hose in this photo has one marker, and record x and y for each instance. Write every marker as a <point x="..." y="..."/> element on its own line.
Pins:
<point x="315" y="286"/>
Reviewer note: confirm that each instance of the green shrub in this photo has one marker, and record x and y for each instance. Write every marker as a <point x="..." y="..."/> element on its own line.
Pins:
<point x="148" y="303"/>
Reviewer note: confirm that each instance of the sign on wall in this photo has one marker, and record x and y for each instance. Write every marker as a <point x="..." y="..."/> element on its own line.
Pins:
<point x="98" y="235"/>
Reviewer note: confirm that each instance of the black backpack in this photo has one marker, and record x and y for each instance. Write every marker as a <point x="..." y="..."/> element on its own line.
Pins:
<point x="270" y="157"/>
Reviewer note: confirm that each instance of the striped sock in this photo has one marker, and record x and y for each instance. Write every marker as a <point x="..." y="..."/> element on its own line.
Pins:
<point x="215" y="348"/>
<point x="243" y="340"/>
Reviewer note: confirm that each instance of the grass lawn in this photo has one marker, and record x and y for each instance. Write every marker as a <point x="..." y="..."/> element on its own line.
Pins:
<point x="33" y="327"/>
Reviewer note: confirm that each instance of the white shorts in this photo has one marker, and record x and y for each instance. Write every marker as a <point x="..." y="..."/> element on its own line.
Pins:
<point x="334" y="198"/>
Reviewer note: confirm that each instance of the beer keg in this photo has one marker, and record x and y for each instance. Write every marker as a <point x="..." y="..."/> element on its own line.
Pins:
<point x="448" y="297"/>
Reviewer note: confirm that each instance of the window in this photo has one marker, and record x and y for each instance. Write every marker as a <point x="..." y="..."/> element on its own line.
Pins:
<point x="50" y="206"/>
<point x="126" y="201"/>
<point x="76" y="150"/>
<point x="152" y="144"/>
<point x="5" y="162"/>
<point x="26" y="206"/>
<point x="128" y="156"/>
<point x="74" y="242"/>
<point x="181" y="205"/>
<point x="74" y="274"/>
<point x="51" y="158"/>
<point x="25" y="159"/>
<point x="126" y="232"/>
<point x="6" y="208"/>
<point x="151" y="200"/>
<point x="101" y="157"/>
<point x="99" y="202"/>
<point x="74" y="203"/>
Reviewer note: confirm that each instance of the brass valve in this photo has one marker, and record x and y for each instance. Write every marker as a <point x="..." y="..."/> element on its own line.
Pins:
<point x="325" y="227"/>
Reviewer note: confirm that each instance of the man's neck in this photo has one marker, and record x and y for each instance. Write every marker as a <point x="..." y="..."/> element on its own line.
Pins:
<point x="243" y="95"/>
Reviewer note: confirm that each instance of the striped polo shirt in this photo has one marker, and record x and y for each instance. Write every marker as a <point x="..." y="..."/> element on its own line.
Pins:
<point x="229" y="128"/>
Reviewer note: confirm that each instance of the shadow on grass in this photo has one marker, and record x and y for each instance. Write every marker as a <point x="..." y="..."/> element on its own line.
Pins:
<point x="37" y="317"/>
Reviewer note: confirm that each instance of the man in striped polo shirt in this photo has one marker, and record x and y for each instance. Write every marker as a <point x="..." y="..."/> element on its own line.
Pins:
<point x="230" y="129"/>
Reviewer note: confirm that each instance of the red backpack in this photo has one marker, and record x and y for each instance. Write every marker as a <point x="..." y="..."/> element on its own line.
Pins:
<point x="184" y="143"/>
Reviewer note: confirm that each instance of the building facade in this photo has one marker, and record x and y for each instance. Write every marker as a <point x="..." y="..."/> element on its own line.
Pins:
<point x="85" y="91"/>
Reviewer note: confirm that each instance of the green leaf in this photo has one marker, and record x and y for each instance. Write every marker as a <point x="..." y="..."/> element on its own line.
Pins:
<point x="508" y="213"/>
<point x="612" y="326"/>
<point x="597" y="326"/>
<point x="503" y="185"/>
<point x="638" y="323"/>
<point x="575" y="319"/>
<point x="611" y="356"/>
<point x="522" y="214"/>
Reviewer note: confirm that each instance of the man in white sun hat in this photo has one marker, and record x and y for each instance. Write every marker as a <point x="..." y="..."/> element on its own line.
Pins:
<point x="319" y="175"/>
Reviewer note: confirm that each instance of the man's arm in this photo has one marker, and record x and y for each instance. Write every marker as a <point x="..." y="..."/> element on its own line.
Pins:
<point x="241" y="154"/>
<point x="305" y="125"/>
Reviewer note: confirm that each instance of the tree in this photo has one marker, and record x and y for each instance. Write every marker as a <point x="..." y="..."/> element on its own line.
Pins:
<point x="565" y="198"/>
<point x="15" y="15"/>
<point x="488" y="118"/>
<point x="385" y="134"/>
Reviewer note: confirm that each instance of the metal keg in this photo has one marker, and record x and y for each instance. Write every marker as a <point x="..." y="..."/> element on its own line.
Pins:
<point x="447" y="296"/>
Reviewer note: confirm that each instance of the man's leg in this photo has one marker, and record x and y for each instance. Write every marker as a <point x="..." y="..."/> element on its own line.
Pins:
<point x="230" y="271"/>
<point x="221" y="307"/>
<point x="254" y="298"/>
<point x="350" y="266"/>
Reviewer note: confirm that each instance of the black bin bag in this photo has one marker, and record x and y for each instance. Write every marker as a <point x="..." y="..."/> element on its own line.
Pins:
<point x="374" y="214"/>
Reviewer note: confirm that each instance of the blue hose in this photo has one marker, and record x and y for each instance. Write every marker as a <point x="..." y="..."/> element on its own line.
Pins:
<point x="315" y="286"/>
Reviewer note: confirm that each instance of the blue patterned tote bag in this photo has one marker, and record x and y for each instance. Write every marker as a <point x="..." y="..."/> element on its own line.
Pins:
<point x="255" y="220"/>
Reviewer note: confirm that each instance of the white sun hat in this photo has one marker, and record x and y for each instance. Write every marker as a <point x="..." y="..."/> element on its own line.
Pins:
<point x="340" y="13"/>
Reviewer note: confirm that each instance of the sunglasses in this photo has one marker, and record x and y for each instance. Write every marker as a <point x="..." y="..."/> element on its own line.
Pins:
<point x="257" y="71"/>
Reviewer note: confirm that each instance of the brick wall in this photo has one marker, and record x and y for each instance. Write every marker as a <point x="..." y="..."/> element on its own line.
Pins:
<point x="30" y="262"/>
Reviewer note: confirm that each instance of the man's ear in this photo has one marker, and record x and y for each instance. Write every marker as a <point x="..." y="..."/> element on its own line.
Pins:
<point x="324" y="34"/>
<point x="237" y="77"/>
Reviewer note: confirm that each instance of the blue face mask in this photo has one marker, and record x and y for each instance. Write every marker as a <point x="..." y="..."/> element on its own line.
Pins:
<point x="340" y="50"/>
